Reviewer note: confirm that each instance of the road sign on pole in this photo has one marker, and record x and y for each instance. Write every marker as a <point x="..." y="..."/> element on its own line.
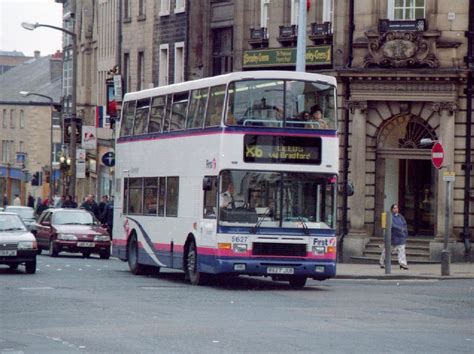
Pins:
<point x="437" y="155"/>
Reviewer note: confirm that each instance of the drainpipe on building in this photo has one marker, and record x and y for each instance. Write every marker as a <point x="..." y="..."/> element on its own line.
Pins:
<point x="345" y="167"/>
<point x="468" y="165"/>
<point x="186" y="41"/>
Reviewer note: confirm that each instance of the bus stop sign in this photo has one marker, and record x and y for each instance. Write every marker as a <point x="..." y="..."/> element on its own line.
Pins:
<point x="437" y="155"/>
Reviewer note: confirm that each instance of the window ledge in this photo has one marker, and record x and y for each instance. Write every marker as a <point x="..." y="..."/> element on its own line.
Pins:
<point x="141" y="17"/>
<point x="127" y="20"/>
<point x="164" y="13"/>
<point x="179" y="10"/>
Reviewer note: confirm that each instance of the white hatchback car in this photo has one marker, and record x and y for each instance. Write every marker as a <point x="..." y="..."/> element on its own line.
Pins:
<point x="17" y="244"/>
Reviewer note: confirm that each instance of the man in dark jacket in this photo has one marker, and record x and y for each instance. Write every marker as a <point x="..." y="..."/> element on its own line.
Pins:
<point x="102" y="205"/>
<point x="90" y="205"/>
<point x="31" y="201"/>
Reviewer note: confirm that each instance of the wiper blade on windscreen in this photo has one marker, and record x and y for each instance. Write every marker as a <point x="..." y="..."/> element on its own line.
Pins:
<point x="260" y="220"/>
<point x="13" y="229"/>
<point x="305" y="227"/>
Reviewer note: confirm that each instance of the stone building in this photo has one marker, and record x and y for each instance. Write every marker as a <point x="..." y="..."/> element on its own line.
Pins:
<point x="404" y="73"/>
<point x="27" y="125"/>
<point x="402" y="69"/>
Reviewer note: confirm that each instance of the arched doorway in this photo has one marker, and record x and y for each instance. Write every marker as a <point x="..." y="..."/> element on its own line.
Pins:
<point x="404" y="172"/>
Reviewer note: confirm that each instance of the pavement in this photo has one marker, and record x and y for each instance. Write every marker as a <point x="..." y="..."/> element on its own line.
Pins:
<point x="415" y="271"/>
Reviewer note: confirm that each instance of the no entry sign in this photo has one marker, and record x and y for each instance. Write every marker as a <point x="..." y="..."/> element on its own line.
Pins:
<point x="437" y="155"/>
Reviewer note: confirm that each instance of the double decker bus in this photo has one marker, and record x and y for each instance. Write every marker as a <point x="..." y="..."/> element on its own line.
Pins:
<point x="227" y="175"/>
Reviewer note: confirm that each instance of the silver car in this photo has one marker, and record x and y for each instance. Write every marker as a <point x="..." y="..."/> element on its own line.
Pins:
<point x="17" y="244"/>
<point x="27" y="214"/>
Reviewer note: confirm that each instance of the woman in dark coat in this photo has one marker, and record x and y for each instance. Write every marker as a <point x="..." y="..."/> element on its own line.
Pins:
<point x="399" y="238"/>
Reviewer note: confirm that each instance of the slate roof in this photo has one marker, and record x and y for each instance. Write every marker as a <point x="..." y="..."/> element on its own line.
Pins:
<point x="34" y="76"/>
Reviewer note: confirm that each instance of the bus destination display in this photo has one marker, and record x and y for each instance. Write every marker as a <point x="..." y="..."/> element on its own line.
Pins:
<point x="282" y="149"/>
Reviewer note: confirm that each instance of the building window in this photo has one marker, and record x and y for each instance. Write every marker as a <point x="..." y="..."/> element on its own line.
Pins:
<point x="180" y="6"/>
<point x="12" y="118"/>
<point x="264" y="4"/>
<point x="164" y="7"/>
<point x="140" y="70"/>
<point x="406" y="9"/>
<point x="164" y="60"/>
<point x="294" y="11"/>
<point x="5" y="119"/>
<point x="179" y="62"/>
<point x="6" y="151"/>
<point x="126" y="72"/>
<point x="141" y="9"/>
<point x="22" y="118"/>
<point x="21" y="146"/>
<point x="328" y="11"/>
<point x="126" y="11"/>
<point x="222" y="51"/>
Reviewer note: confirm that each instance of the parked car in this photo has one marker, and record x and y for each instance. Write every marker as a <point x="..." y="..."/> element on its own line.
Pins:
<point x="17" y="244"/>
<point x="27" y="214"/>
<point x="71" y="230"/>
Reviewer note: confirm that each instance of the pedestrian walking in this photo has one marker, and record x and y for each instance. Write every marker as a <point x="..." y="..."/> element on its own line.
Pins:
<point x="17" y="200"/>
<point x="102" y="205"/>
<point x="5" y="200"/>
<point x="30" y="201"/>
<point x="399" y="238"/>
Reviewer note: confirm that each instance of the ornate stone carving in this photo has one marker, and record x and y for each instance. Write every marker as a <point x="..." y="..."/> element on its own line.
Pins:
<point x="360" y="105"/>
<point x="450" y="107"/>
<point x="400" y="50"/>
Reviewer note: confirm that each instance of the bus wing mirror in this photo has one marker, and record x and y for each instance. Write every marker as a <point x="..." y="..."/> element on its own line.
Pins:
<point x="207" y="184"/>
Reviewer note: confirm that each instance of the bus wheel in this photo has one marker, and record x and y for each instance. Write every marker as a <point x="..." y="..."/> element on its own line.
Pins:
<point x="297" y="282"/>
<point x="195" y="276"/>
<point x="132" y="255"/>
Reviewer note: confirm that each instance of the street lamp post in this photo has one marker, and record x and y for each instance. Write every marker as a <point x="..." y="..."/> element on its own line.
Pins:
<point x="51" y="185"/>
<point x="72" y="144"/>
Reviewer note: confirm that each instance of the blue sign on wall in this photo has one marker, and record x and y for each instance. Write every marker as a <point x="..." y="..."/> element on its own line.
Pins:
<point x="108" y="159"/>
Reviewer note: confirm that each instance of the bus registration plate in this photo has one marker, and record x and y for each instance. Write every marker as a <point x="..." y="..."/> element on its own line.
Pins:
<point x="280" y="270"/>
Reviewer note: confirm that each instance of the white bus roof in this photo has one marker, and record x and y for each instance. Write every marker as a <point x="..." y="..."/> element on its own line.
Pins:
<point x="224" y="79"/>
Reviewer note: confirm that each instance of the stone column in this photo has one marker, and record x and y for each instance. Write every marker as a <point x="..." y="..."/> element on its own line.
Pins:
<point x="446" y="111"/>
<point x="355" y="242"/>
<point x="357" y="165"/>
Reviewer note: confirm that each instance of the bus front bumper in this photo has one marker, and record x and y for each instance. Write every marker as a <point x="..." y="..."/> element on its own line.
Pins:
<point x="316" y="269"/>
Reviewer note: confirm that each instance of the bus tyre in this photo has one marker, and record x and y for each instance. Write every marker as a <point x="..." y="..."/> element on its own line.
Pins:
<point x="297" y="282"/>
<point x="132" y="255"/>
<point x="195" y="276"/>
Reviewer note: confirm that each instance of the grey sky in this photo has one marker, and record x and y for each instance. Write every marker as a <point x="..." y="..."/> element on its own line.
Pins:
<point x="15" y="37"/>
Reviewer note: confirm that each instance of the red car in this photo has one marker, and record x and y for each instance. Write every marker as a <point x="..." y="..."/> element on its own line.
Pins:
<point x="71" y="230"/>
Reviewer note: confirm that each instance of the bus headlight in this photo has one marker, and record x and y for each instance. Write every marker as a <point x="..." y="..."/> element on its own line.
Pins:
<point x="239" y="247"/>
<point x="318" y="250"/>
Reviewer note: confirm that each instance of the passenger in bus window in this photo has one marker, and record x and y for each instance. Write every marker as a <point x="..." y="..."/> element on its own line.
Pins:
<point x="215" y="118"/>
<point x="316" y="119"/>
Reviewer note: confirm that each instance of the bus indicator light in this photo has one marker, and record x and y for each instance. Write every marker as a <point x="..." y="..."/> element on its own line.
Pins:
<point x="224" y="246"/>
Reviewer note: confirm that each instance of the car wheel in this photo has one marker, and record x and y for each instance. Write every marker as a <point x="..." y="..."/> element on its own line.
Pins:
<point x="297" y="282"/>
<point x="132" y="255"/>
<point x="52" y="250"/>
<point x="39" y="250"/>
<point x="105" y="255"/>
<point x="30" y="267"/>
<point x="195" y="277"/>
<point x="13" y="266"/>
<point x="86" y="254"/>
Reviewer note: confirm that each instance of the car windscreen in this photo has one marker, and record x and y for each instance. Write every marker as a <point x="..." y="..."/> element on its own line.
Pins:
<point x="25" y="213"/>
<point x="11" y="223"/>
<point x="73" y="218"/>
